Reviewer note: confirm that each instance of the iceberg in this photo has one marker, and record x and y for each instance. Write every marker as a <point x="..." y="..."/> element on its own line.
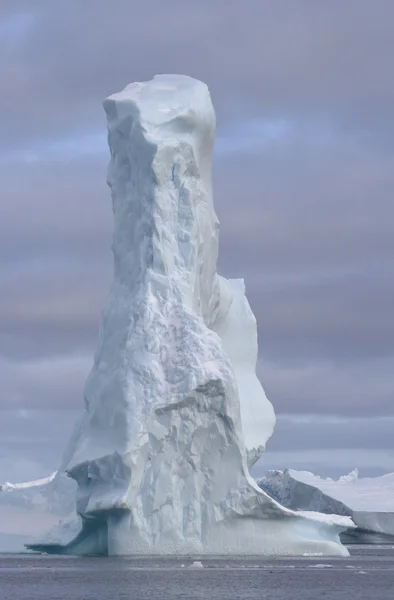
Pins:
<point x="174" y="415"/>
<point x="369" y="501"/>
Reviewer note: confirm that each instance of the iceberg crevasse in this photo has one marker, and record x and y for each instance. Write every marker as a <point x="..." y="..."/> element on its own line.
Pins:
<point x="174" y="413"/>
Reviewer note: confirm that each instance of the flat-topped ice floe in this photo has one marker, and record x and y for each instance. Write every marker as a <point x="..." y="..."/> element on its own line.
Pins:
<point x="174" y="413"/>
<point x="369" y="501"/>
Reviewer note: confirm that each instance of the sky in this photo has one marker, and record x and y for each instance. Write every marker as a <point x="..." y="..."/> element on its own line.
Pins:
<point x="303" y="184"/>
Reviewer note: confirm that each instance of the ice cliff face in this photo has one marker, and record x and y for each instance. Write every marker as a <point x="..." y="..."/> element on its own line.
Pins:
<point x="174" y="413"/>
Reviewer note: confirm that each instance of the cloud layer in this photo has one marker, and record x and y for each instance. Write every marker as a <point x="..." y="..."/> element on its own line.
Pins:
<point x="303" y="174"/>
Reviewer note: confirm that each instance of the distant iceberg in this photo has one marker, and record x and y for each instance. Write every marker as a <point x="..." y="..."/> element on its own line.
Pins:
<point x="369" y="501"/>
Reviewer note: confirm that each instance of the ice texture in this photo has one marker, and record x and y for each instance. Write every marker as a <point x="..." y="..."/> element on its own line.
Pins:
<point x="174" y="413"/>
<point x="369" y="501"/>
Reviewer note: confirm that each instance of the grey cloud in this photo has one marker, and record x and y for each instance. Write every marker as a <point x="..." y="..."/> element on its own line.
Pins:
<point x="54" y="209"/>
<point x="310" y="229"/>
<point x="333" y="195"/>
<point x="275" y="58"/>
<point x="361" y="388"/>
<point x="333" y="463"/>
<point x="19" y="468"/>
<point x="55" y="257"/>
<point x="32" y="442"/>
<point x="324" y="432"/>
<point x="306" y="216"/>
<point x="51" y="382"/>
<point x="349" y="317"/>
<point x="330" y="446"/>
<point x="51" y="309"/>
<point x="25" y="428"/>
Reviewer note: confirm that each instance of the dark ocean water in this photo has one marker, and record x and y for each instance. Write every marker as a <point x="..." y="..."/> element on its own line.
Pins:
<point x="367" y="575"/>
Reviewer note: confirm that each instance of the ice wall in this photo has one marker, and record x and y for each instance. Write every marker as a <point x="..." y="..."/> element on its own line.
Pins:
<point x="162" y="458"/>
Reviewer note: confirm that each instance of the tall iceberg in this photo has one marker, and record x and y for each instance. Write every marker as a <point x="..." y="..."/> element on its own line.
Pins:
<point x="174" y="413"/>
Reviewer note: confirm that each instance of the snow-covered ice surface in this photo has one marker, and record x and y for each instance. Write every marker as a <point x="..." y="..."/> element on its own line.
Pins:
<point x="369" y="501"/>
<point x="8" y="487"/>
<point x="331" y="519"/>
<point x="174" y="414"/>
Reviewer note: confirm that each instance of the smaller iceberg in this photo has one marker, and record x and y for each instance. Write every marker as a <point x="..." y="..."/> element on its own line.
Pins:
<point x="369" y="501"/>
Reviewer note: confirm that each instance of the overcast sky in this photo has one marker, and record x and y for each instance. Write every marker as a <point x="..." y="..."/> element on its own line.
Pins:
<point x="304" y="180"/>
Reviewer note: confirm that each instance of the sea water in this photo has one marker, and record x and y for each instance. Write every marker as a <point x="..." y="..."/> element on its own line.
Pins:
<point x="368" y="574"/>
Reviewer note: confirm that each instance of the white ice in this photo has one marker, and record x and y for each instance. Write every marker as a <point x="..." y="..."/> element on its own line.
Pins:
<point x="174" y="414"/>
